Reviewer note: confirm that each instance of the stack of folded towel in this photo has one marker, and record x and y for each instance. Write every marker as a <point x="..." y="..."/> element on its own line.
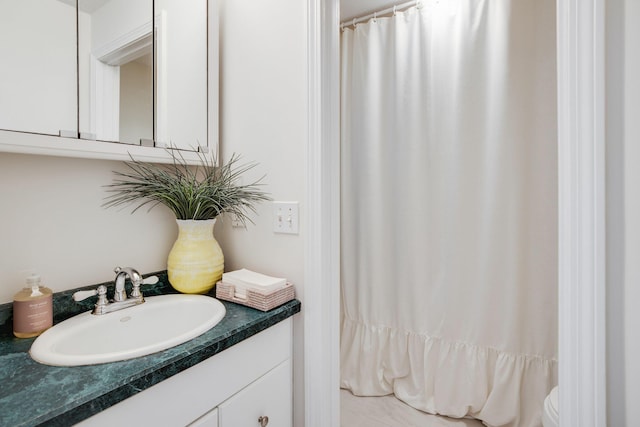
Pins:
<point x="253" y="289"/>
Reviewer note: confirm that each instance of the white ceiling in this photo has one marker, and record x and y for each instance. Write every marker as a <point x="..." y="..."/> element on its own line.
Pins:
<point x="88" y="6"/>
<point x="350" y="9"/>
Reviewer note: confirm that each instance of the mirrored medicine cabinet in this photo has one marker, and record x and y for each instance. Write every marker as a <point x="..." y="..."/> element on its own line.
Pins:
<point x="109" y="78"/>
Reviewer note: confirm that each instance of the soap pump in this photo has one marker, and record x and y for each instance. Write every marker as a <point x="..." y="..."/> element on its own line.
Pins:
<point x="32" y="309"/>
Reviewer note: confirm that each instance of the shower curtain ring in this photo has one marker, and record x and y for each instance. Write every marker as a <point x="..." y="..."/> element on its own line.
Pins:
<point x="375" y="16"/>
<point x="394" y="10"/>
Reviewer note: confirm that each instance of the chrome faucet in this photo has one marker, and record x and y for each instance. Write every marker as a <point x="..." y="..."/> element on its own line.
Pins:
<point x="136" y="280"/>
<point x="120" y="299"/>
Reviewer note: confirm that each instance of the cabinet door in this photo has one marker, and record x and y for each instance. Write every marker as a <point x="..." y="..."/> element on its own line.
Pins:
<point x="270" y="396"/>
<point x="210" y="419"/>
<point x="38" y="89"/>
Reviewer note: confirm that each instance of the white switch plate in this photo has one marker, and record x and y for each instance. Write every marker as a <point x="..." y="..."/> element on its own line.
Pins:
<point x="285" y="217"/>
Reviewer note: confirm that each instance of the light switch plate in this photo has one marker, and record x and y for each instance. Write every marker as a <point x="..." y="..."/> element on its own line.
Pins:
<point x="285" y="217"/>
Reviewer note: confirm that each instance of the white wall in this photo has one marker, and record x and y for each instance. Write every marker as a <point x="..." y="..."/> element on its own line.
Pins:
<point x="136" y="102"/>
<point x="632" y="208"/>
<point x="52" y="223"/>
<point x="117" y="18"/>
<point x="615" y="212"/>
<point x="356" y="8"/>
<point x="263" y="87"/>
<point x="623" y="211"/>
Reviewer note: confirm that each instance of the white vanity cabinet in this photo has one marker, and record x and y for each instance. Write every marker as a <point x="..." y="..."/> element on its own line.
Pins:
<point x="210" y="419"/>
<point x="265" y="402"/>
<point x="246" y="383"/>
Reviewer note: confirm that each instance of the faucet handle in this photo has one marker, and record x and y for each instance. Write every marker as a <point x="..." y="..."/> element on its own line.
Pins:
<point x="101" y="291"/>
<point x="82" y="295"/>
<point x="151" y="280"/>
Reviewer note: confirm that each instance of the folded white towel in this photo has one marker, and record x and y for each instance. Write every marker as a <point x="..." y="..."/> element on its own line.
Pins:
<point x="244" y="279"/>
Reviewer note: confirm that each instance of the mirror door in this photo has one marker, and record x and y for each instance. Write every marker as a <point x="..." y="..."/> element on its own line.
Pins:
<point x="38" y="91"/>
<point x="115" y="62"/>
<point x="181" y="73"/>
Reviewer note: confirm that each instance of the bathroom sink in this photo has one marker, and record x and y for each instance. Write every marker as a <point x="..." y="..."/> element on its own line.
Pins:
<point x="160" y="323"/>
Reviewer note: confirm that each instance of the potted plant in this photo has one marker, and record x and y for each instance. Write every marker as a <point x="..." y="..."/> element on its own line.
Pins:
<point x="197" y="195"/>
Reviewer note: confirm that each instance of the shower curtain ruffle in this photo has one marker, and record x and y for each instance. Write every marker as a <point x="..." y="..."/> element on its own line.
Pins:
<point x="437" y="376"/>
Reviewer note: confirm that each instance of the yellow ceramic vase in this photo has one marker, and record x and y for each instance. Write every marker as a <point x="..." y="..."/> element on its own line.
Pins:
<point x="196" y="261"/>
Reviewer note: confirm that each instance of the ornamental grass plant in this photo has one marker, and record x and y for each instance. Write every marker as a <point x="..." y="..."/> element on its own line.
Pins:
<point x="199" y="192"/>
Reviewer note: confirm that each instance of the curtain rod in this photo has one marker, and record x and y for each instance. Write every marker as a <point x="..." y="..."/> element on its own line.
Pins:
<point x="393" y="9"/>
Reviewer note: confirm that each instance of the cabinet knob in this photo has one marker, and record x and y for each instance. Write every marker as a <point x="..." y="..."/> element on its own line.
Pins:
<point x="263" y="420"/>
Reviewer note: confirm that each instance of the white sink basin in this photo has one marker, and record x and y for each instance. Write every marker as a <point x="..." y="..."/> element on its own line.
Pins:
<point x="160" y="323"/>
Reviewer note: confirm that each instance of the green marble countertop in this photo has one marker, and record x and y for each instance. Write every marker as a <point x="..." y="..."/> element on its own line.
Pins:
<point x="35" y="394"/>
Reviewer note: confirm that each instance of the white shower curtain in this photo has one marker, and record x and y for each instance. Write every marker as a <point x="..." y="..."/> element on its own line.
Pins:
<point x="449" y="205"/>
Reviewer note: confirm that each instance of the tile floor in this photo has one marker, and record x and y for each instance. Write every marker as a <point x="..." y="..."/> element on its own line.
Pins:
<point x="387" y="411"/>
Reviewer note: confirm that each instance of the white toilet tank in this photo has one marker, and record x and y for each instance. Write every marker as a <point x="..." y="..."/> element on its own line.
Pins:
<point x="550" y="411"/>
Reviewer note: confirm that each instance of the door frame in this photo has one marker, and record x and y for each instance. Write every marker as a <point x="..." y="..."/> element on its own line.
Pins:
<point x="581" y="219"/>
<point x="581" y="213"/>
<point x="322" y="243"/>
